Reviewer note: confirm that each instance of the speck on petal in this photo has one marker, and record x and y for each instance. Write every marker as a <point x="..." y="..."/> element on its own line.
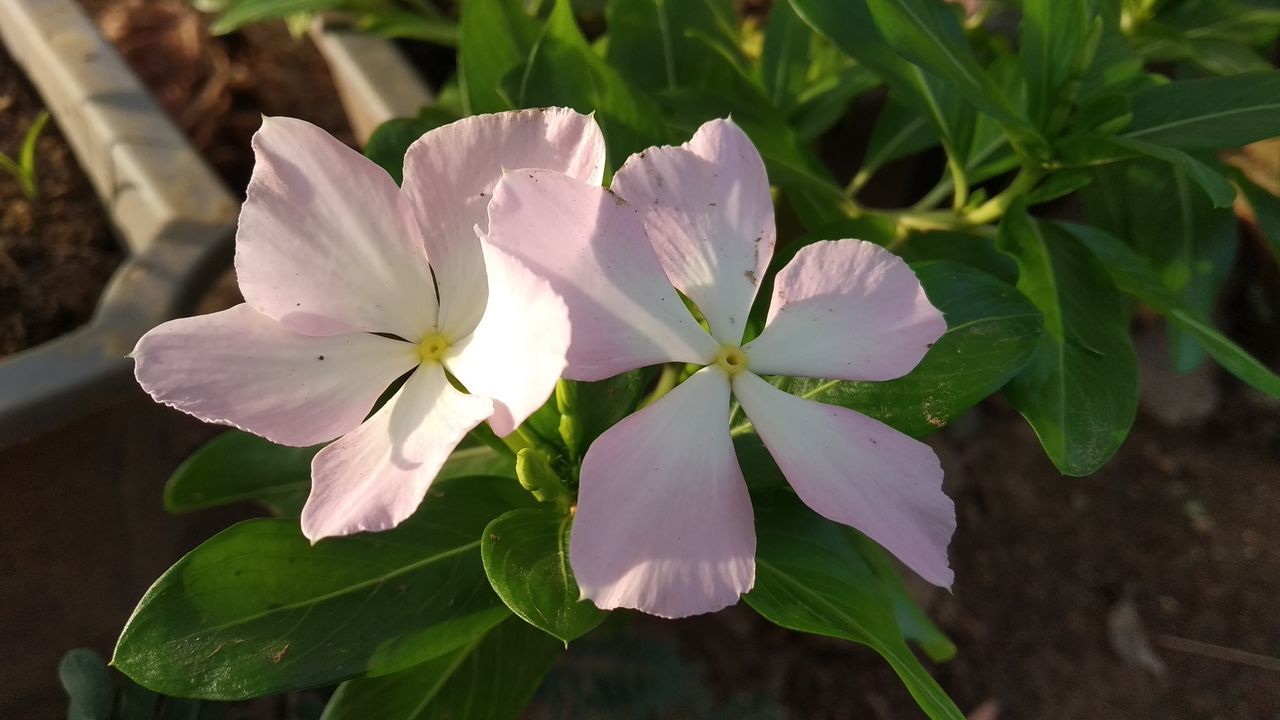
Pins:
<point x="240" y="368"/>
<point x="857" y="471"/>
<point x="709" y="214"/>
<point x="664" y="522"/>
<point x="449" y="175"/>
<point x="376" y="476"/>
<point x="846" y="310"/>
<point x="326" y="242"/>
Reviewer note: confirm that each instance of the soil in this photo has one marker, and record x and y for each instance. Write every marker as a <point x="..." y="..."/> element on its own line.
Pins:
<point x="57" y="251"/>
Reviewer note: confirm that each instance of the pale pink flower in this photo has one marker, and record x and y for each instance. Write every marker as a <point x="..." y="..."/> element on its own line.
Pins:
<point x="664" y="523"/>
<point x="336" y="265"/>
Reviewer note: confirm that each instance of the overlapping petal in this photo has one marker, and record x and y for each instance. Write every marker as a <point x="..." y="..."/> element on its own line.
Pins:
<point x="591" y="246"/>
<point x="857" y="471"/>
<point x="326" y="242"/>
<point x="846" y="310"/>
<point x="517" y="352"/>
<point x="709" y="215"/>
<point x="376" y="476"/>
<point x="240" y="368"/>
<point x="664" y="522"/>
<point x="449" y="175"/>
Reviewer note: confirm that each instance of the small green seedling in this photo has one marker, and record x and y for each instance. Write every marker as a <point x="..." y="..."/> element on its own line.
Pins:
<point x="24" y="168"/>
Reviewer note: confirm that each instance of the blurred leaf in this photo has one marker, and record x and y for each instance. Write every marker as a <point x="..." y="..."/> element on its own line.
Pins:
<point x="1079" y="391"/>
<point x="398" y="23"/>
<point x="562" y="69"/>
<point x="494" y="36"/>
<point x="964" y="248"/>
<point x="1135" y="276"/>
<point x="784" y="61"/>
<point x="88" y="684"/>
<point x="991" y="332"/>
<point x="493" y="677"/>
<point x="239" y="13"/>
<point x="392" y="139"/>
<point x="1266" y="208"/>
<point x="258" y="610"/>
<point x="661" y="45"/>
<point x="811" y="578"/>
<point x="1211" y="113"/>
<point x="901" y="130"/>
<point x="1099" y="150"/>
<point x="526" y="556"/>
<point x="1054" y="32"/>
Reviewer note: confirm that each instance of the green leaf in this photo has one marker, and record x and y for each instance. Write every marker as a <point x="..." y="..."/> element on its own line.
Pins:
<point x="991" y="332"/>
<point x="929" y="34"/>
<point x="396" y="23"/>
<point x="1053" y="34"/>
<point x="600" y="405"/>
<point x="563" y="69"/>
<point x="901" y="130"/>
<point x="1210" y="113"/>
<point x="494" y="36"/>
<point x="493" y="677"/>
<point x="1266" y="209"/>
<point x="88" y="684"/>
<point x="1211" y="180"/>
<point x="911" y="619"/>
<point x="810" y="577"/>
<point x="1079" y="391"/>
<point x="1134" y="275"/>
<point x="245" y="12"/>
<point x="258" y="610"/>
<point x="784" y="61"/>
<point x="526" y="556"/>
<point x="659" y="45"/>
<point x="392" y="139"/>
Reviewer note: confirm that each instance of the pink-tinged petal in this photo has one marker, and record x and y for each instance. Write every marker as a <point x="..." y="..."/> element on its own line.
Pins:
<point x="709" y="215"/>
<point x="591" y="247"/>
<point x="240" y="368"/>
<point x="664" y="522"/>
<point x="857" y="471"/>
<point x="449" y="175"/>
<point x="326" y="243"/>
<point x="846" y="310"/>
<point x="376" y="476"/>
<point x="517" y="352"/>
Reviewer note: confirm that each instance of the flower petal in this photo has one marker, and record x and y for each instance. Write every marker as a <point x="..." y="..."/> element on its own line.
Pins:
<point x="592" y="248"/>
<point x="709" y="215"/>
<point x="449" y="175"/>
<point x="664" y="522"/>
<point x="517" y="352"/>
<point x="326" y="243"/>
<point x="857" y="471"/>
<point x="376" y="476"/>
<point x="846" y="310"/>
<point x="240" y="368"/>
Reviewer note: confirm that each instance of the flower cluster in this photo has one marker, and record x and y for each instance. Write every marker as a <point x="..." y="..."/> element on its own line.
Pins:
<point x="501" y="265"/>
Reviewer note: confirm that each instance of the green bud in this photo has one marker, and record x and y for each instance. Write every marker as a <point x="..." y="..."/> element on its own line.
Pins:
<point x="536" y="475"/>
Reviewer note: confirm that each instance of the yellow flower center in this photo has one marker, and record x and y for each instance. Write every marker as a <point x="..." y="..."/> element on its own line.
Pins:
<point x="433" y="347"/>
<point x="731" y="359"/>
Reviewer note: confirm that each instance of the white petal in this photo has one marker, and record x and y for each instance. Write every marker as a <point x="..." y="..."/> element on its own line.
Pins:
<point x="376" y="476"/>
<point x="709" y="214"/>
<point x="859" y="472"/>
<point x="240" y="368"/>
<point x="326" y="243"/>
<point x="664" y="522"/>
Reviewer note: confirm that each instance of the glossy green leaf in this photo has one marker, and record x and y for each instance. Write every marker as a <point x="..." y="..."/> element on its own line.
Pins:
<point x="1053" y="34"/>
<point x="389" y="142"/>
<point x="526" y="556"/>
<point x="1209" y="113"/>
<point x="494" y="36"/>
<point x="236" y="467"/>
<point x="1134" y="275"/>
<point x="563" y="69"/>
<point x="1079" y="391"/>
<point x="991" y="332"/>
<point x="810" y="577"/>
<point x="257" y="609"/>
<point x="87" y="682"/>
<point x="492" y="677"/>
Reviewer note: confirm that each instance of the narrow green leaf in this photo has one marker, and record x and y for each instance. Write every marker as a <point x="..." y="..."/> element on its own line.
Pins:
<point x="1079" y="391"/>
<point x="991" y="332"/>
<point x="88" y="684"/>
<point x="493" y="677"/>
<point x="1209" y="113"/>
<point x="784" y="61"/>
<point x="494" y="36"/>
<point x="1266" y="208"/>
<point x="659" y="45"/>
<point x="526" y="556"/>
<point x="1134" y="275"/>
<point x="810" y="577"/>
<point x="258" y="609"/>
<point x="245" y="12"/>
<point x="901" y="130"/>
<point x="1211" y="180"/>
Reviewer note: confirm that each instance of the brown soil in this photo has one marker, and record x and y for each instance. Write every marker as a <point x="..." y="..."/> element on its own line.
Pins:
<point x="57" y="251"/>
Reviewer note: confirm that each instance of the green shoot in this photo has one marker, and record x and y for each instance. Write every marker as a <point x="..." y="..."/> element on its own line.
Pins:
<point x="24" y="168"/>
